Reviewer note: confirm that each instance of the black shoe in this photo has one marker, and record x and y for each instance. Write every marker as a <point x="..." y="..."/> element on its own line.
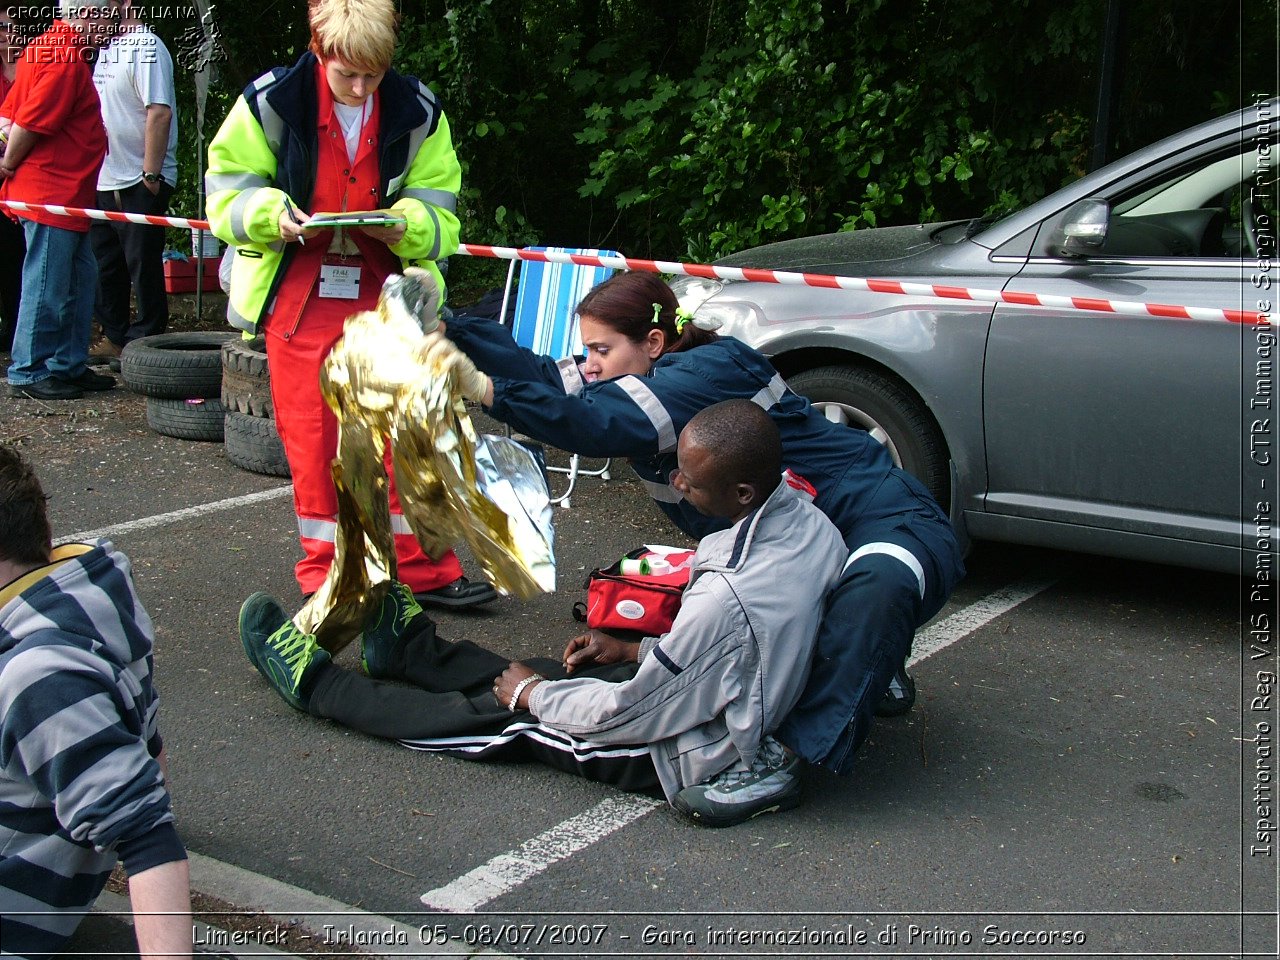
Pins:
<point x="112" y="362"/>
<point x="900" y="697"/>
<point x="50" y="389"/>
<point x="461" y="593"/>
<point x="88" y="380"/>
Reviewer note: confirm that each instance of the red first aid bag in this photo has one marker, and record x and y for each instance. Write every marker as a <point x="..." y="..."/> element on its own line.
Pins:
<point x="619" y="597"/>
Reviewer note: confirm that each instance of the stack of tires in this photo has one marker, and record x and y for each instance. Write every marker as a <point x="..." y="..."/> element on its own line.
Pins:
<point x="180" y="374"/>
<point x="250" y="428"/>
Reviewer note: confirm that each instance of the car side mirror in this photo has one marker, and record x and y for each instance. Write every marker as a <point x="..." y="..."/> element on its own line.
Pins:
<point x="1082" y="230"/>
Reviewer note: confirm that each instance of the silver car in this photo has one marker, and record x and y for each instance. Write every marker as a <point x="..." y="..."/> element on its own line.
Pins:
<point x="1120" y="435"/>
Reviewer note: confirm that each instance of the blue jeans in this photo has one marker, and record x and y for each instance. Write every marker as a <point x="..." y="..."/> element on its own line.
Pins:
<point x="59" y="283"/>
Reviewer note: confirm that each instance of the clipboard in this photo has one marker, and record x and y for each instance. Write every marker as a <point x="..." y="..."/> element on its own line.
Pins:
<point x="365" y="218"/>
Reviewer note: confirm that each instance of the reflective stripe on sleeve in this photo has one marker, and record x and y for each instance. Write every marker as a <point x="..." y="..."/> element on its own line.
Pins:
<point x="662" y="492"/>
<point x="571" y="376"/>
<point x="272" y="124"/>
<point x="771" y="394"/>
<point x="435" y="221"/>
<point x="652" y="407"/>
<point x="440" y="198"/>
<point x="235" y="214"/>
<point x="213" y="182"/>
<point x="901" y="554"/>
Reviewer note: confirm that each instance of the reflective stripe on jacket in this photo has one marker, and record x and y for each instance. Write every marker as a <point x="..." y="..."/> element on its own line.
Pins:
<point x="266" y="150"/>
<point x="736" y="658"/>
<point x="641" y="417"/>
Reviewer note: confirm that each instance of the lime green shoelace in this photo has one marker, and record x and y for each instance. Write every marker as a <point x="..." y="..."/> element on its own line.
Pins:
<point x="295" y="648"/>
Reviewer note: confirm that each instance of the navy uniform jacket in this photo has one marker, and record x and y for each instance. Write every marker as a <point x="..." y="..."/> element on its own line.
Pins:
<point x="641" y="417"/>
<point x="870" y="618"/>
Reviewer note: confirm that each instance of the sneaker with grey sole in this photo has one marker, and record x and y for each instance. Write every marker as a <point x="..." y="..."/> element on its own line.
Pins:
<point x="771" y="784"/>
<point x="900" y="697"/>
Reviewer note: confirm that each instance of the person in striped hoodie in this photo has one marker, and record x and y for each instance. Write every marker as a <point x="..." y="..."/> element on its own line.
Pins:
<point x="82" y="781"/>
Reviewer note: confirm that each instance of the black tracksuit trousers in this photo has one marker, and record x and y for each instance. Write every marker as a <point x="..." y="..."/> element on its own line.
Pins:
<point x="446" y="704"/>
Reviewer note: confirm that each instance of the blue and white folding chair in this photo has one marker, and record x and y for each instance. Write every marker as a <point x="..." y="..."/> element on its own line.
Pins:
<point x="545" y="322"/>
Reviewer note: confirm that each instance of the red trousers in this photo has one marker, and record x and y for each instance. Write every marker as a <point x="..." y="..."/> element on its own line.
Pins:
<point x="310" y="434"/>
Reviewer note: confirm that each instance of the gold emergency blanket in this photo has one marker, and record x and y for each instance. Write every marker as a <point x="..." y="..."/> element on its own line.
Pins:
<point x="453" y="485"/>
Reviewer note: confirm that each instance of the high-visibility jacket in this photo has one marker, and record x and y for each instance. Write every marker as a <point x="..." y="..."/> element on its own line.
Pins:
<point x="266" y="150"/>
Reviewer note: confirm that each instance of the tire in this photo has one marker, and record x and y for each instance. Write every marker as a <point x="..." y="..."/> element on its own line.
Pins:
<point x="176" y="366"/>
<point x="882" y="405"/>
<point x="196" y="419"/>
<point x="246" y="381"/>
<point x="253" y="444"/>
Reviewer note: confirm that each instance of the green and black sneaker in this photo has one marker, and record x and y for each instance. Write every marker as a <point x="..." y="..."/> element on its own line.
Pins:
<point x="286" y="656"/>
<point x="387" y="631"/>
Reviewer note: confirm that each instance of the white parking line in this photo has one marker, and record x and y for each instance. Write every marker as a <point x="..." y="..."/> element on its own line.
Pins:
<point x="507" y="871"/>
<point x="187" y="513"/>
<point x="960" y="624"/>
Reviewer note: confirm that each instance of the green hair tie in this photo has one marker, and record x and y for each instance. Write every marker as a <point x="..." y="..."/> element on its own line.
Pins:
<point x="683" y="317"/>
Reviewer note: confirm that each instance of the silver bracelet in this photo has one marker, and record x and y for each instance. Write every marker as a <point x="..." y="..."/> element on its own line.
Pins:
<point x="515" y="695"/>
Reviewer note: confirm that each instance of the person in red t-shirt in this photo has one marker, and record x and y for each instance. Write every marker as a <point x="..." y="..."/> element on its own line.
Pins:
<point x="13" y="246"/>
<point x="56" y="143"/>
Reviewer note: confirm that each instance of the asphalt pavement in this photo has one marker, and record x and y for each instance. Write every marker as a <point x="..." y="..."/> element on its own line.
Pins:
<point x="1069" y="783"/>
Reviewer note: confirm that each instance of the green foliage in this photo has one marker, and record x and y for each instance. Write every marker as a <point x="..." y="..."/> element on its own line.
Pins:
<point x="812" y="116"/>
<point x="696" y="128"/>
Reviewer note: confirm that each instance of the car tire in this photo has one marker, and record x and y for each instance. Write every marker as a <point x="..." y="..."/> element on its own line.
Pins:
<point x="882" y="405"/>
<point x="176" y="366"/>
<point x="253" y="444"/>
<point x="196" y="419"/>
<point x="246" y="380"/>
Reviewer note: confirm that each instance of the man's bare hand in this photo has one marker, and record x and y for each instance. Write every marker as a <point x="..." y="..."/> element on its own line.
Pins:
<point x="505" y="685"/>
<point x="597" y="648"/>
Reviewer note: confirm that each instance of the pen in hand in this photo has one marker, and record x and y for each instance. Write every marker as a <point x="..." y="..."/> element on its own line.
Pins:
<point x="293" y="215"/>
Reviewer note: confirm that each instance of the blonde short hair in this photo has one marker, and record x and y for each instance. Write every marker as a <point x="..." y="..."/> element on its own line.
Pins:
<point x="361" y="33"/>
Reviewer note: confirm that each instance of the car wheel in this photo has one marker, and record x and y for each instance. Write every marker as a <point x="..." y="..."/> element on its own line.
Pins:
<point x="866" y="399"/>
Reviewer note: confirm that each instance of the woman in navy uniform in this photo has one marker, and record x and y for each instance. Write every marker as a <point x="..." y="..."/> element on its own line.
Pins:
<point x="649" y="369"/>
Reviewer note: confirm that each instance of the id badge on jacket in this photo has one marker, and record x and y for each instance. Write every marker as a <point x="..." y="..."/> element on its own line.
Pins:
<point x="340" y="278"/>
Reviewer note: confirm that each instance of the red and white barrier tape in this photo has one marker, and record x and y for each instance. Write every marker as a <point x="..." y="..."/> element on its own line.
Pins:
<point x="1125" y="307"/>
<point x="1130" y="308"/>
<point x="180" y="222"/>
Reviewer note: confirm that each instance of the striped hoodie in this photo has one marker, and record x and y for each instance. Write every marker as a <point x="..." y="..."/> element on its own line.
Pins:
<point x="79" y="783"/>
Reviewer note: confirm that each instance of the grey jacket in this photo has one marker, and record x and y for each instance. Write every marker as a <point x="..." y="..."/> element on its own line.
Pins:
<point x="734" y="661"/>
